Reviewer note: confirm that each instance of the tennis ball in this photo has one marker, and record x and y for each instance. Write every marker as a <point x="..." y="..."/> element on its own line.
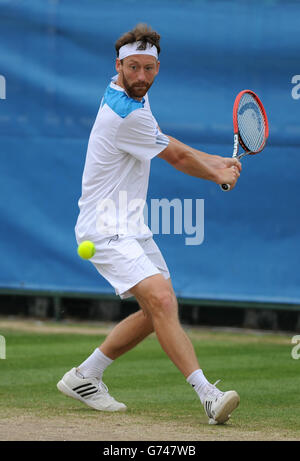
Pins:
<point x="86" y="249"/>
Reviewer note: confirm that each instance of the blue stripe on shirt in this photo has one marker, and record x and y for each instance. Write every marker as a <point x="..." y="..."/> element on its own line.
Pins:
<point x="120" y="103"/>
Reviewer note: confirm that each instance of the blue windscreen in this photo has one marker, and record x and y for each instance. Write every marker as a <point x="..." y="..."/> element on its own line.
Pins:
<point x="57" y="58"/>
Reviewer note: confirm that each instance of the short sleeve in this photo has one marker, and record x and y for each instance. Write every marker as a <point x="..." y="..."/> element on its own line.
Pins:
<point x="138" y="135"/>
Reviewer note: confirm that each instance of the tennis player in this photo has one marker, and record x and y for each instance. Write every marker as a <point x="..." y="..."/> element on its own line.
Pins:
<point x="124" y="139"/>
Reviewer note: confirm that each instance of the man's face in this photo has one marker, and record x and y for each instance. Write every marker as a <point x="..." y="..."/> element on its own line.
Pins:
<point x="136" y="74"/>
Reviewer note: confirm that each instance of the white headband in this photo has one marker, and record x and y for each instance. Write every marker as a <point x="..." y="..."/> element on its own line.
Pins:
<point x="131" y="48"/>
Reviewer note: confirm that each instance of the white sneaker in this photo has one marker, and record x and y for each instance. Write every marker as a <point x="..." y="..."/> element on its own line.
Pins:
<point x="219" y="405"/>
<point x="90" y="391"/>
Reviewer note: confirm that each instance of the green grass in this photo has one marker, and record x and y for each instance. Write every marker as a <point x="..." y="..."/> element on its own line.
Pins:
<point x="259" y="367"/>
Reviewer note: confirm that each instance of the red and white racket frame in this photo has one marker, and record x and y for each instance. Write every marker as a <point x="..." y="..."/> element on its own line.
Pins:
<point x="236" y="136"/>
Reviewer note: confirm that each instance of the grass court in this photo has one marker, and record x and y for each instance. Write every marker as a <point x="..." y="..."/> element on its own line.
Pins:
<point x="161" y="405"/>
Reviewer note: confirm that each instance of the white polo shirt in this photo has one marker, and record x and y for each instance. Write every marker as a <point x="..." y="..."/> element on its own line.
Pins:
<point x="124" y="139"/>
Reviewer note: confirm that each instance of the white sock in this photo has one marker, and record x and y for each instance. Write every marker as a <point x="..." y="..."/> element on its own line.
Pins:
<point x="200" y="384"/>
<point x="94" y="365"/>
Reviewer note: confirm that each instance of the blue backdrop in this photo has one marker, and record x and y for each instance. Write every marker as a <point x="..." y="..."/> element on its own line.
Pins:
<point x="57" y="58"/>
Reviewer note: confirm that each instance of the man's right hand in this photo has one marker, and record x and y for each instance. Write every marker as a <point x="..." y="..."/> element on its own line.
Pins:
<point x="230" y="174"/>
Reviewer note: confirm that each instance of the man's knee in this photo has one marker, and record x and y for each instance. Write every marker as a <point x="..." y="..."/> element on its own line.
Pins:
<point x="162" y="302"/>
<point x="156" y="296"/>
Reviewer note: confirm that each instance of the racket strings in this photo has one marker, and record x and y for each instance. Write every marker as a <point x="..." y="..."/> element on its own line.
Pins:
<point x="251" y="123"/>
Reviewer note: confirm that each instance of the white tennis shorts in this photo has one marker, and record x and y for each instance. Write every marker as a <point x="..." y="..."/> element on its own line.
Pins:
<point x="126" y="261"/>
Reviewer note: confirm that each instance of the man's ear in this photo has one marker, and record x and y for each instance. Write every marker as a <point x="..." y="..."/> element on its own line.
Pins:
<point x="118" y="65"/>
<point x="157" y="67"/>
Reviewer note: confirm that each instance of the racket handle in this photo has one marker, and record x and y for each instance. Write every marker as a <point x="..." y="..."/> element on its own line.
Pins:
<point x="225" y="187"/>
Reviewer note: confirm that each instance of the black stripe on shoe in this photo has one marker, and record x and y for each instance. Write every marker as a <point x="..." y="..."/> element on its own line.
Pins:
<point x="81" y="386"/>
<point x="88" y="393"/>
<point x="208" y="405"/>
<point x="82" y="391"/>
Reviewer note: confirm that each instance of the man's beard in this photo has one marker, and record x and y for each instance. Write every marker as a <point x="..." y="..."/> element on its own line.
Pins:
<point x="136" y="90"/>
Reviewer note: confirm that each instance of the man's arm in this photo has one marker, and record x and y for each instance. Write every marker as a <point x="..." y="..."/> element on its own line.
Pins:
<point x="221" y="170"/>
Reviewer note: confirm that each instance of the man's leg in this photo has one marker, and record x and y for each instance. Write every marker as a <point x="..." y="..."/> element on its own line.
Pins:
<point x="127" y="334"/>
<point x="157" y="298"/>
<point x="160" y="313"/>
<point x="85" y="382"/>
<point x="123" y="337"/>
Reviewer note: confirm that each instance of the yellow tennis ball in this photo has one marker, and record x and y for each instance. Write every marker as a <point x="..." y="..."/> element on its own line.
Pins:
<point x="86" y="249"/>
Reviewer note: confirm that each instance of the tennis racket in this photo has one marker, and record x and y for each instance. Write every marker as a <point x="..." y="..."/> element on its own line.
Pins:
<point x="250" y="126"/>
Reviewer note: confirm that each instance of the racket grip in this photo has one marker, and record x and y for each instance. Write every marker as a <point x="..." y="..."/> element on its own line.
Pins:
<point x="225" y="187"/>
